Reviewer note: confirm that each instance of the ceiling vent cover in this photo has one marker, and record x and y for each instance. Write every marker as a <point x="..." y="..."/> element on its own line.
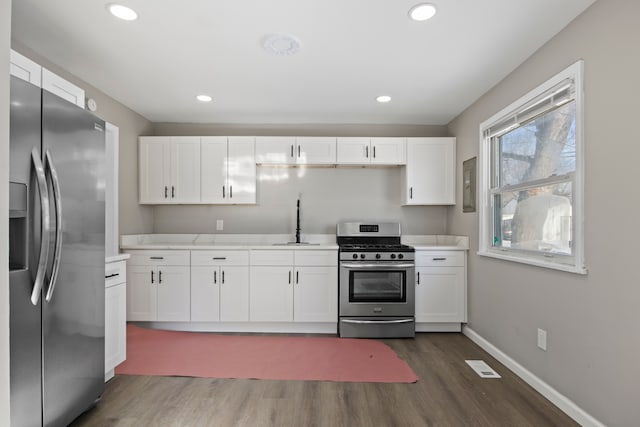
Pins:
<point x="281" y="44"/>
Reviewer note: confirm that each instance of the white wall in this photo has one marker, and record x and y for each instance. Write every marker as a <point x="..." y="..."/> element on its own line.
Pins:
<point x="592" y="321"/>
<point x="5" y="38"/>
<point x="329" y="195"/>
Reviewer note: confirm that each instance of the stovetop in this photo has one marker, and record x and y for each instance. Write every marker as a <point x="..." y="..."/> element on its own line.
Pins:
<point x="375" y="247"/>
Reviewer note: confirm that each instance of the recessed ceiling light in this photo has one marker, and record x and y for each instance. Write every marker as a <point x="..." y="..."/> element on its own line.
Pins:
<point x="422" y="12"/>
<point x="203" y="98"/>
<point x="122" y="12"/>
<point x="383" y="98"/>
<point x="281" y="44"/>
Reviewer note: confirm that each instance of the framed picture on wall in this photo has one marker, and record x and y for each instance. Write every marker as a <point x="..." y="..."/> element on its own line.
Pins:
<point x="469" y="185"/>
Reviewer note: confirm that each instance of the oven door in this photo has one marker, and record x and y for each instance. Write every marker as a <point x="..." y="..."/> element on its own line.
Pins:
<point x="384" y="288"/>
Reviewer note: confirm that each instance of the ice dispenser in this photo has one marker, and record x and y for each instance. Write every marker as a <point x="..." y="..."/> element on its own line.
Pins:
<point x="18" y="226"/>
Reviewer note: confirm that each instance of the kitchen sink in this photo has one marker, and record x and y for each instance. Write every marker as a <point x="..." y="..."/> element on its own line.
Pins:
<point x="296" y="244"/>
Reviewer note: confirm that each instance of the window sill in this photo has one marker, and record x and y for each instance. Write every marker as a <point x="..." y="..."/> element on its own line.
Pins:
<point x="538" y="262"/>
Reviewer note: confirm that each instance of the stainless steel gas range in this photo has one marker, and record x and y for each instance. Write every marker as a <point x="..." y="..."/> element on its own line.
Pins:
<point x="376" y="281"/>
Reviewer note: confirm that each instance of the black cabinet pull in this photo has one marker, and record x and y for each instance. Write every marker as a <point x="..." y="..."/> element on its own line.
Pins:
<point x="220" y="257"/>
<point x="223" y="277"/>
<point x="366" y="152"/>
<point x="418" y="277"/>
<point x="173" y="192"/>
<point x="289" y="276"/>
<point x="298" y="151"/>
<point x="411" y="192"/>
<point x="156" y="257"/>
<point x="159" y="276"/>
<point x="223" y="195"/>
<point x="152" y="276"/>
<point x="439" y="259"/>
<point x="292" y="150"/>
<point x="297" y="273"/>
<point x="112" y="275"/>
<point x="374" y="151"/>
<point x="231" y="191"/>
<point x="215" y="277"/>
<point x="165" y="192"/>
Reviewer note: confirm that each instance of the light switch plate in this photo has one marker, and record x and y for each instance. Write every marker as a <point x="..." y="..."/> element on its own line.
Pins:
<point x="542" y="339"/>
<point x="219" y="225"/>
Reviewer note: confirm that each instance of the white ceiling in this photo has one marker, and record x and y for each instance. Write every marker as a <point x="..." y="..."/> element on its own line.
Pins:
<point x="352" y="51"/>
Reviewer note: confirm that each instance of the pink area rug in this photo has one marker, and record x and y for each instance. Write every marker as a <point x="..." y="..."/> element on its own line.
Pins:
<point x="195" y="354"/>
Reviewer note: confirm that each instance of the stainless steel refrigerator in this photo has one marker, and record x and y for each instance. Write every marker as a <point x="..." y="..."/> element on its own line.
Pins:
<point x="56" y="257"/>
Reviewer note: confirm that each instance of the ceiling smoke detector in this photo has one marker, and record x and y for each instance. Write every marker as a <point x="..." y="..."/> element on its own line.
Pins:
<point x="281" y="44"/>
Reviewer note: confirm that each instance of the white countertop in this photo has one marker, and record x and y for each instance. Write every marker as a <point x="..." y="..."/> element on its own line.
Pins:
<point x="272" y="241"/>
<point x="116" y="258"/>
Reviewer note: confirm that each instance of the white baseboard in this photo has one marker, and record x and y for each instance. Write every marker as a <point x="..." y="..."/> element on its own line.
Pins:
<point x="246" y="327"/>
<point x="554" y="396"/>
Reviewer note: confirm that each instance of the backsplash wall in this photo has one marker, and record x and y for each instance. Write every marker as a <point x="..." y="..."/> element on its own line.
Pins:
<point x="328" y="195"/>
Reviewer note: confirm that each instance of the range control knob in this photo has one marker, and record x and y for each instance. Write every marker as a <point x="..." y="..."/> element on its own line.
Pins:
<point x="400" y="256"/>
<point x="393" y="256"/>
<point x="377" y="256"/>
<point x="362" y="256"/>
<point x="355" y="256"/>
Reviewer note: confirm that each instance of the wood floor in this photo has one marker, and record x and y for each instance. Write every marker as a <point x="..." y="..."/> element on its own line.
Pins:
<point x="448" y="393"/>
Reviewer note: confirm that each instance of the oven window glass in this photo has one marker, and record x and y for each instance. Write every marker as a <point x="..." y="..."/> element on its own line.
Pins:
<point x="377" y="286"/>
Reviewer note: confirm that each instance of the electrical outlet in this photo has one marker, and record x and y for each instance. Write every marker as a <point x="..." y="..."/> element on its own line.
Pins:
<point x="542" y="339"/>
<point x="219" y="225"/>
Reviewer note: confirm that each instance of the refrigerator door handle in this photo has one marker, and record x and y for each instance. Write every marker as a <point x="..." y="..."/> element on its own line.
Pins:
<point x="45" y="219"/>
<point x="58" y="245"/>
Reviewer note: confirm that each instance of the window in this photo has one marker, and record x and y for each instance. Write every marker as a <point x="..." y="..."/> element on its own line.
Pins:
<point x="531" y="177"/>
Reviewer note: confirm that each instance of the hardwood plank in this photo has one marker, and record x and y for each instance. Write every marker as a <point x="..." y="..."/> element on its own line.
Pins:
<point x="449" y="393"/>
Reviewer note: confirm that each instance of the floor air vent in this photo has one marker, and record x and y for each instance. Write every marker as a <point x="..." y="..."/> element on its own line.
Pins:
<point x="482" y="369"/>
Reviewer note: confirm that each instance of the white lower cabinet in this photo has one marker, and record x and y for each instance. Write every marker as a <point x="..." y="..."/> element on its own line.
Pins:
<point x="115" y="316"/>
<point x="440" y="287"/>
<point x="298" y="286"/>
<point x="219" y="286"/>
<point x="159" y="286"/>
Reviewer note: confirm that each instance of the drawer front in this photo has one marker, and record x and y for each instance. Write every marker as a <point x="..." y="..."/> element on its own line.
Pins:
<point x="271" y="257"/>
<point x="311" y="257"/>
<point x="115" y="273"/>
<point x="220" y="257"/>
<point x="439" y="259"/>
<point x="159" y="257"/>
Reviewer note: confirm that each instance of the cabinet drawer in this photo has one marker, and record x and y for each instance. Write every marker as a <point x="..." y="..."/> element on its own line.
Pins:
<point x="115" y="273"/>
<point x="220" y="257"/>
<point x="440" y="258"/>
<point x="159" y="257"/>
<point x="271" y="257"/>
<point x="310" y="257"/>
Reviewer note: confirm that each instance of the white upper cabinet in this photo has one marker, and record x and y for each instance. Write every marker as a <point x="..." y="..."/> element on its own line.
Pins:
<point x="289" y="150"/>
<point x="25" y="69"/>
<point x="59" y="86"/>
<point x="228" y="170"/>
<point x="169" y="169"/>
<point x="364" y="151"/>
<point x="430" y="174"/>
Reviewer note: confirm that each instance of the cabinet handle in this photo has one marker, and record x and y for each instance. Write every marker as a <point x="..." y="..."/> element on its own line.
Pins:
<point x="156" y="257"/>
<point x="151" y="276"/>
<point x="231" y="191"/>
<point x="411" y="192"/>
<point x="173" y="192"/>
<point x="112" y="275"/>
<point x="439" y="259"/>
<point x="223" y="194"/>
<point x="298" y="151"/>
<point x="159" y="277"/>
<point x="220" y="257"/>
<point x="215" y="277"/>
<point x="418" y="278"/>
<point x="223" y="277"/>
<point x="297" y="273"/>
<point x="366" y="152"/>
<point x="291" y="150"/>
<point x="289" y="276"/>
<point x="374" y="151"/>
<point x="165" y="192"/>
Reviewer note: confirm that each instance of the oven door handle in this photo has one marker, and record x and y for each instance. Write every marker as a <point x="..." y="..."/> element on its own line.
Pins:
<point x="376" y="265"/>
<point x="363" y="322"/>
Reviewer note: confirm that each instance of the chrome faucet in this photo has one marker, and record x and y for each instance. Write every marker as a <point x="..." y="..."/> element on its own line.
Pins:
<point x="298" y="221"/>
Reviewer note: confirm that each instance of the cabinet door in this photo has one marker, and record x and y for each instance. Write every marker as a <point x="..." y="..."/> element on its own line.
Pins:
<point x="214" y="169"/>
<point x="141" y="293"/>
<point x="440" y="294"/>
<point x="234" y="294"/>
<point x="316" y="294"/>
<point x="271" y="294"/>
<point x="24" y="68"/>
<point x="174" y="296"/>
<point x="353" y="151"/>
<point x="275" y="150"/>
<point x="185" y="170"/>
<point x="430" y="171"/>
<point x="241" y="169"/>
<point x="115" y="326"/>
<point x="388" y="151"/>
<point x="154" y="164"/>
<point x="205" y="294"/>
<point x="66" y="90"/>
<point x="316" y="150"/>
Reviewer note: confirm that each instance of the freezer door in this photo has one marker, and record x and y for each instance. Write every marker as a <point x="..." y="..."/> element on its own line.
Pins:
<point x="73" y="307"/>
<point x="24" y="242"/>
